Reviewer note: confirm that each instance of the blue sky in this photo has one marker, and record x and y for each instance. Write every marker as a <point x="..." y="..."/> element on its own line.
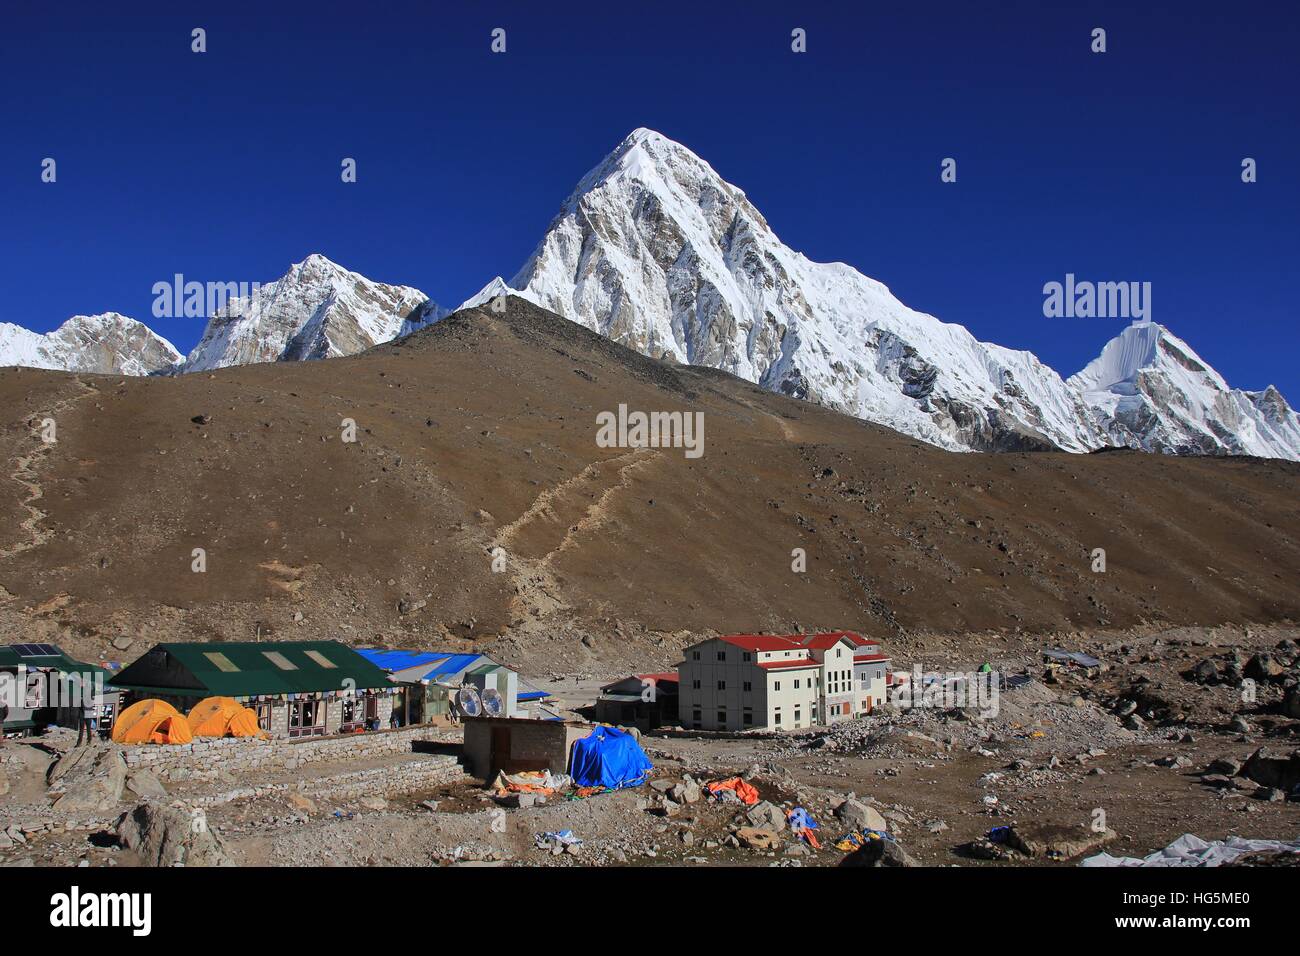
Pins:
<point x="225" y="166"/>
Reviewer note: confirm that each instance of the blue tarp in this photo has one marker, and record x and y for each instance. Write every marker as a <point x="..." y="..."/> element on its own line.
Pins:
<point x="609" y="758"/>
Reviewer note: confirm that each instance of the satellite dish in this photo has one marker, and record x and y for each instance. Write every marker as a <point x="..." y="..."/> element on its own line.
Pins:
<point x="468" y="701"/>
<point x="493" y="703"/>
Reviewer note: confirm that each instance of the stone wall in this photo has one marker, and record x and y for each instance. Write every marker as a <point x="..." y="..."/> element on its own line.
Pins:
<point x="422" y="772"/>
<point x="207" y="758"/>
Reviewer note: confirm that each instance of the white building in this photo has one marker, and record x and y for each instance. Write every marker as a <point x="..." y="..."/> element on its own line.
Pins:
<point x="745" y="681"/>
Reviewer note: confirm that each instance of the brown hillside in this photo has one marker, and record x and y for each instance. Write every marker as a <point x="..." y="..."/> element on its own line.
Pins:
<point x="480" y="432"/>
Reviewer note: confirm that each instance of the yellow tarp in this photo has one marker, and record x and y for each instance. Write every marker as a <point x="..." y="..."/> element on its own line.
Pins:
<point x="222" y="717"/>
<point x="151" y="722"/>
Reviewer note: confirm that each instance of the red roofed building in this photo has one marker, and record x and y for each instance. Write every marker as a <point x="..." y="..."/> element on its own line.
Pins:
<point x="779" y="682"/>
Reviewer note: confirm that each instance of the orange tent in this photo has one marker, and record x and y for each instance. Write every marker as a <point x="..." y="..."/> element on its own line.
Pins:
<point x="222" y="717"/>
<point x="151" y="722"/>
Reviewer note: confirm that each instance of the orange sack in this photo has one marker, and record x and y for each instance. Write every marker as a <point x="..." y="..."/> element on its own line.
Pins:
<point x="747" y="794"/>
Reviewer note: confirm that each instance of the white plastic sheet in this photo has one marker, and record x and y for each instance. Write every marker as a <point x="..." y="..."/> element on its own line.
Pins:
<point x="1190" y="850"/>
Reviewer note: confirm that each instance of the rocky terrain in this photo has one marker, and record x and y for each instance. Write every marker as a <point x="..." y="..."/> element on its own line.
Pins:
<point x="1125" y="758"/>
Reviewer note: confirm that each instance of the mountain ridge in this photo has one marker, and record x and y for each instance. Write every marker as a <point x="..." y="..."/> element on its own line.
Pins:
<point x="654" y="250"/>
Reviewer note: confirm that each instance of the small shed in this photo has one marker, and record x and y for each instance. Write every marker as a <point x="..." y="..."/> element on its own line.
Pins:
<point x="513" y="745"/>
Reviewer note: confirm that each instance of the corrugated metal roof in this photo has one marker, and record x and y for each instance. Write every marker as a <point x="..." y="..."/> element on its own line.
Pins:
<point x="399" y="660"/>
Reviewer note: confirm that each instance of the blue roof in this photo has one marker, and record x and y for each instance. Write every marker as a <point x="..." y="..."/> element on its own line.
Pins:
<point x="441" y="666"/>
<point x="397" y="660"/>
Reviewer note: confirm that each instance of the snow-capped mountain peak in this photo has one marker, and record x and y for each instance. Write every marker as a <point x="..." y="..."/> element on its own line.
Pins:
<point x="318" y="309"/>
<point x="655" y="250"/>
<point x="1150" y="390"/>
<point x="109" y="343"/>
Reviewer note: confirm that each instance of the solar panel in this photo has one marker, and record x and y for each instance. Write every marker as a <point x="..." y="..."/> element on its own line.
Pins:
<point x="36" y="650"/>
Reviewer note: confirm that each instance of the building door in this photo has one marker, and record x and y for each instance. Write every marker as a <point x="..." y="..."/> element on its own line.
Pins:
<point x="500" y="755"/>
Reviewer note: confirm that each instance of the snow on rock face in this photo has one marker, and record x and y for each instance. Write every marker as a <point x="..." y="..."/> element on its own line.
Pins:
<point x="656" y="251"/>
<point x="109" y="343"/>
<point x="317" y="310"/>
<point x="1149" y="390"/>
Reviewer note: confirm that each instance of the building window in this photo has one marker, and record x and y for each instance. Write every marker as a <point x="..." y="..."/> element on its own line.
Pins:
<point x="722" y="685"/>
<point x="776" y="718"/>
<point x="263" y="709"/>
<point x="695" y="685"/>
<point x="749" y="685"/>
<point x="695" y="655"/>
<point x="797" y="716"/>
<point x="722" y="718"/>
<point x="34" y="690"/>
<point x="697" y="715"/>
<point x="722" y="655"/>
<point x="749" y="718"/>
<point x="777" y="685"/>
<point x="796" y="683"/>
<point x="306" y="718"/>
<point x="746" y="657"/>
<point x="354" y="715"/>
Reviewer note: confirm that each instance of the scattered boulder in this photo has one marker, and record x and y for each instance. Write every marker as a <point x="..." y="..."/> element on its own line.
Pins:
<point x="1291" y="703"/>
<point x="1056" y="841"/>
<point x="1225" y="766"/>
<point x="686" y="792"/>
<point x="1264" y="667"/>
<point x="1204" y="673"/>
<point x="879" y="853"/>
<point x="860" y="816"/>
<point x="765" y="814"/>
<point x="88" y="780"/>
<point x="171" y="836"/>
<point x="757" y="838"/>
<point x="1270" y="767"/>
<point x="145" y="785"/>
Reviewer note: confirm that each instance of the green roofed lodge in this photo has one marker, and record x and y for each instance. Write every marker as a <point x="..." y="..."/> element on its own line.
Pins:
<point x="297" y="688"/>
